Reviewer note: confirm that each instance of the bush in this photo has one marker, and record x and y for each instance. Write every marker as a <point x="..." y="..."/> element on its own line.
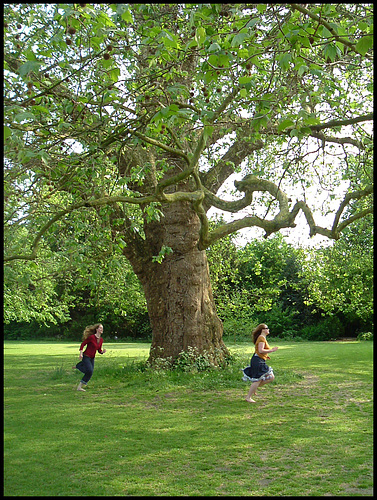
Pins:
<point x="365" y="336"/>
<point x="282" y="323"/>
<point x="236" y="328"/>
<point x="29" y="331"/>
<point x="330" y="328"/>
<point x="190" y="360"/>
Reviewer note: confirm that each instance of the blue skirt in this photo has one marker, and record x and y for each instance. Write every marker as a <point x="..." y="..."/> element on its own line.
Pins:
<point x="258" y="370"/>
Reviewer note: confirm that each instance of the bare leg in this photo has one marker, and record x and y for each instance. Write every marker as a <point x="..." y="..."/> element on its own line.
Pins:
<point x="254" y="386"/>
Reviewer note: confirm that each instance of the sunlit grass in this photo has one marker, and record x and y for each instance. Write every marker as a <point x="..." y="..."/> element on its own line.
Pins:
<point x="137" y="431"/>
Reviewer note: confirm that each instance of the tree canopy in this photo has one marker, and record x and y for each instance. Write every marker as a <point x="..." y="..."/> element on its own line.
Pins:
<point x="207" y="84"/>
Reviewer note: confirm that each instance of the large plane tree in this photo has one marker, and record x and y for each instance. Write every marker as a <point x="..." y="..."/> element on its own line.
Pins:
<point x="138" y="119"/>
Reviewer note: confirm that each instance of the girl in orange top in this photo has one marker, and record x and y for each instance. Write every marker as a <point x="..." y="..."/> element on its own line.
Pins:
<point x="259" y="373"/>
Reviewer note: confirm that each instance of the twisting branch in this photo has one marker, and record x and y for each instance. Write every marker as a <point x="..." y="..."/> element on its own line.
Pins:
<point x="355" y="195"/>
<point x="284" y="218"/>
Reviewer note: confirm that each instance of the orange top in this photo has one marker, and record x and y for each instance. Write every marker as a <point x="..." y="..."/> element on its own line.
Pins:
<point x="263" y="355"/>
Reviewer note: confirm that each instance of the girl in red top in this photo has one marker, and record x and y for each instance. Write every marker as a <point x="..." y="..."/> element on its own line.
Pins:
<point x="93" y="341"/>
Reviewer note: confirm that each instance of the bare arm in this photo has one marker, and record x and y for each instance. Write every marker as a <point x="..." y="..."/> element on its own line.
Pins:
<point x="262" y="350"/>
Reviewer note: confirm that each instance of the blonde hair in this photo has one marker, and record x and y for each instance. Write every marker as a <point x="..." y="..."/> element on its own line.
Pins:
<point x="89" y="330"/>
<point x="257" y="331"/>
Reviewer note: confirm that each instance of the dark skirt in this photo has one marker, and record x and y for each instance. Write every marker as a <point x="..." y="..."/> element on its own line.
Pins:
<point x="258" y="370"/>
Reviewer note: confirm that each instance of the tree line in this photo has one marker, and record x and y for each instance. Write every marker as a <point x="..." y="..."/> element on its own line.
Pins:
<point x="302" y="293"/>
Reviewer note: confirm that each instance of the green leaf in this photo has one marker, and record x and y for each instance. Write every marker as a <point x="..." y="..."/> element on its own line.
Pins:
<point x="285" y="124"/>
<point x="244" y="79"/>
<point x="42" y="109"/>
<point x="25" y="115"/>
<point x="330" y="51"/>
<point x="326" y="33"/>
<point x="30" y="56"/>
<point x="169" y="40"/>
<point x="165" y="250"/>
<point x="121" y="243"/>
<point x="200" y="35"/>
<point x="208" y="131"/>
<point x="7" y="132"/>
<point x="253" y="22"/>
<point x="214" y="47"/>
<point x="362" y="25"/>
<point x="302" y="69"/>
<point x="45" y="157"/>
<point x="238" y="39"/>
<point x="127" y="16"/>
<point x="284" y="61"/>
<point x="114" y="74"/>
<point x="29" y="67"/>
<point x="243" y="53"/>
<point x="364" y="44"/>
<point x="311" y="120"/>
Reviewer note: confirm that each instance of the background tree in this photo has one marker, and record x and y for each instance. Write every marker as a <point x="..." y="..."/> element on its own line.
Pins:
<point x="137" y="115"/>
<point x="340" y="278"/>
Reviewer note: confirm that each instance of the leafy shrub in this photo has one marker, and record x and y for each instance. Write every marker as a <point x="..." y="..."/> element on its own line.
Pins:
<point x="330" y="328"/>
<point x="160" y="364"/>
<point x="236" y="328"/>
<point x="282" y="322"/>
<point x="28" y="331"/>
<point x="365" y="336"/>
<point x="191" y="360"/>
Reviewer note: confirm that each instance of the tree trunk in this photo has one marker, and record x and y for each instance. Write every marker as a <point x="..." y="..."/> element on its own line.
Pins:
<point x="178" y="291"/>
<point x="181" y="308"/>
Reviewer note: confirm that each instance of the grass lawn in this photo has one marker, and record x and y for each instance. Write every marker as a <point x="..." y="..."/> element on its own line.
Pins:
<point x="143" y="432"/>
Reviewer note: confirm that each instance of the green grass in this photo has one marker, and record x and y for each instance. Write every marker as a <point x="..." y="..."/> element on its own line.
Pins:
<point x="142" y="432"/>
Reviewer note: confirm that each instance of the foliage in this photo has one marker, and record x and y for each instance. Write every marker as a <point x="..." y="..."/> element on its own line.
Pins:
<point x="329" y="328"/>
<point x="86" y="85"/>
<point x="340" y="278"/>
<point x="191" y="360"/>
<point x="283" y="321"/>
<point x="365" y="336"/>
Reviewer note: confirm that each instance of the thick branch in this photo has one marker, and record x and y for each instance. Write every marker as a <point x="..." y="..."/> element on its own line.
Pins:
<point x="34" y="246"/>
<point x="352" y="219"/>
<point x="235" y="155"/>
<point x="193" y="197"/>
<point x="253" y="183"/>
<point x="161" y="145"/>
<point x="341" y="123"/>
<point x="228" y="206"/>
<point x="337" y="140"/>
<point x="203" y="136"/>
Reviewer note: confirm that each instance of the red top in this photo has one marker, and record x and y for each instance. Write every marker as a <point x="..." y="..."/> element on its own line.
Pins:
<point x="93" y="345"/>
